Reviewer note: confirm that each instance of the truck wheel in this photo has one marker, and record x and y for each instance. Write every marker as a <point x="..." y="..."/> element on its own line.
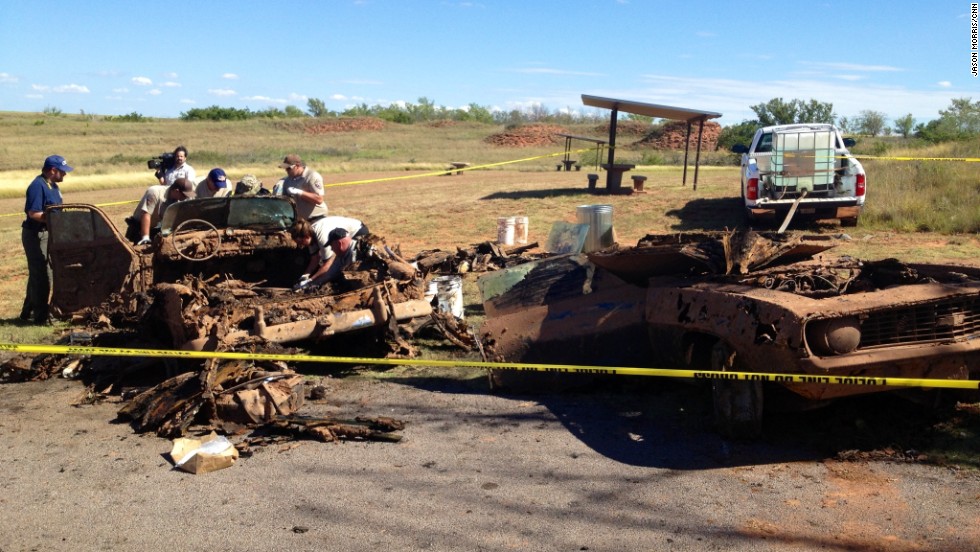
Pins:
<point x="737" y="404"/>
<point x="849" y="222"/>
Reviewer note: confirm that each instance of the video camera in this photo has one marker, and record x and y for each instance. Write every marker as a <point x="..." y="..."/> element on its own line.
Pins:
<point x="162" y="163"/>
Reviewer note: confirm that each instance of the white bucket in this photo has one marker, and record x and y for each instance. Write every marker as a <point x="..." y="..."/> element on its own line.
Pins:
<point x="520" y="230"/>
<point x="599" y="218"/>
<point x="448" y="291"/>
<point x="505" y="230"/>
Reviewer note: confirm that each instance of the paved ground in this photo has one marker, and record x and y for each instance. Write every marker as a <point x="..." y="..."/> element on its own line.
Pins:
<point x="621" y="469"/>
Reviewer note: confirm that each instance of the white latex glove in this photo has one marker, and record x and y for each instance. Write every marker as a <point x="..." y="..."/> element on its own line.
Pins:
<point x="144" y="241"/>
<point x="293" y="191"/>
<point x="304" y="282"/>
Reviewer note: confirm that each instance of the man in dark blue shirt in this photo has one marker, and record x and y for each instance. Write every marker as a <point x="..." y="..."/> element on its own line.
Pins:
<point x="43" y="191"/>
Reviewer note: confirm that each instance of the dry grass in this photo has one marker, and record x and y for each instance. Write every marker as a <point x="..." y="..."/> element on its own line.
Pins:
<point x="392" y="179"/>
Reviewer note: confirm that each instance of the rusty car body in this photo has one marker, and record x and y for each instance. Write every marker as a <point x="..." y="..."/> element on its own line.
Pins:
<point x="219" y="272"/>
<point x="741" y="302"/>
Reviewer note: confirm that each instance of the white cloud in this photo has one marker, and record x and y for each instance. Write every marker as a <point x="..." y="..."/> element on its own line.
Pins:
<point x="264" y="99"/>
<point x="71" y="89"/>
<point x="842" y="66"/>
<point x="944" y="84"/>
<point x="294" y="97"/>
<point x="40" y="87"/>
<point x="224" y="92"/>
<point x="230" y="76"/>
<point x="7" y="78"/>
<point x="187" y="101"/>
<point x="142" y="81"/>
<point x="338" y="97"/>
<point x="34" y="96"/>
<point x="170" y="75"/>
<point x="170" y="84"/>
<point x="154" y="92"/>
<point x="120" y="90"/>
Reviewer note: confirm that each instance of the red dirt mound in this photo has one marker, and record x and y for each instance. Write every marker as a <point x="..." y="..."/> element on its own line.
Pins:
<point x="671" y="136"/>
<point x="344" y="124"/>
<point x="538" y="134"/>
<point x="625" y="128"/>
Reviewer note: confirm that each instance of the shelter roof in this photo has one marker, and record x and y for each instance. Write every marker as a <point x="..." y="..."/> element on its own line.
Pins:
<point x="650" y="110"/>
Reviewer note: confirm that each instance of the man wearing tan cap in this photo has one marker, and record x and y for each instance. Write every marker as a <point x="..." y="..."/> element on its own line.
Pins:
<point x="305" y="186"/>
<point x="150" y="209"/>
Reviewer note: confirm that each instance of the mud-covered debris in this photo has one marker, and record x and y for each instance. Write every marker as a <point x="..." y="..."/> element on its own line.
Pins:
<point x="482" y="257"/>
<point x="241" y="392"/>
<point x="331" y="429"/>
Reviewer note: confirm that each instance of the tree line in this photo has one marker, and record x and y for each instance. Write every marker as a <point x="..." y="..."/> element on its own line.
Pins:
<point x="960" y="121"/>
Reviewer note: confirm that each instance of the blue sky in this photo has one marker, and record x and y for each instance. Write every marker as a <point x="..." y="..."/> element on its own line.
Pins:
<point x="162" y="58"/>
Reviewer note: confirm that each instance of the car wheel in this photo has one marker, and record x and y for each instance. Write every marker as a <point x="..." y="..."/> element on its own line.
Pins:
<point x="849" y="222"/>
<point x="737" y="403"/>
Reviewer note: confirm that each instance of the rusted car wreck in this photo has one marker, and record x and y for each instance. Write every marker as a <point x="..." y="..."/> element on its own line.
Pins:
<point x="740" y="301"/>
<point x="240" y="249"/>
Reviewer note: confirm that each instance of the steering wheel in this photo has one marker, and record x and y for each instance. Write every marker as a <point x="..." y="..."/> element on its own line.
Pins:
<point x="198" y="249"/>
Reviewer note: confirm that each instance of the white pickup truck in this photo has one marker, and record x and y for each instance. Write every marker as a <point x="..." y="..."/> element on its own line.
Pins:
<point x="806" y="165"/>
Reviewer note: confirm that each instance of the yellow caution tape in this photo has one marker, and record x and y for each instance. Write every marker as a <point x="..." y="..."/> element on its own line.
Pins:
<point x="535" y="367"/>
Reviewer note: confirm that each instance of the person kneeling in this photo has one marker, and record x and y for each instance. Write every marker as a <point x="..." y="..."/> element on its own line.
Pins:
<point x="332" y="251"/>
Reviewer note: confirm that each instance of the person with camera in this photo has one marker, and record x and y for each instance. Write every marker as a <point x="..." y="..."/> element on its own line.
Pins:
<point x="305" y="186"/>
<point x="145" y="222"/>
<point x="316" y="237"/>
<point x="178" y="168"/>
<point x="215" y="185"/>
<point x="41" y="192"/>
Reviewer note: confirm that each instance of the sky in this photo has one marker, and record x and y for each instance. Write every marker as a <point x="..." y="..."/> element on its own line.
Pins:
<point x="160" y="59"/>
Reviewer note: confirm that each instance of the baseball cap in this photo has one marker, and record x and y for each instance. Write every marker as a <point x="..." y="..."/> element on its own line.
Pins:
<point x="290" y="160"/>
<point x="185" y="187"/>
<point x="57" y="162"/>
<point x="218" y="178"/>
<point x="249" y="184"/>
<point x="336" y="234"/>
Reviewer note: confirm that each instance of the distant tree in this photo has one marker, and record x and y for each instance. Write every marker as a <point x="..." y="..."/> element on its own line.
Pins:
<point x="640" y="118"/>
<point x="740" y="133"/>
<point x="816" y="112"/>
<point x="904" y="125"/>
<point x="964" y="115"/>
<point x="870" y="122"/>
<point x="423" y="111"/>
<point x="844" y="124"/>
<point x="292" y="111"/>
<point x="476" y="113"/>
<point x="316" y="108"/>
<point x="961" y="121"/>
<point x="779" y="112"/>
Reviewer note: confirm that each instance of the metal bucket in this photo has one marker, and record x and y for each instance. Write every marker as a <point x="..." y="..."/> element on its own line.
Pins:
<point x="600" y="221"/>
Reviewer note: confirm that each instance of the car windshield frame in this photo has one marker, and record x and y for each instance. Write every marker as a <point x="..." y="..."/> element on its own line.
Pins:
<point x="242" y="212"/>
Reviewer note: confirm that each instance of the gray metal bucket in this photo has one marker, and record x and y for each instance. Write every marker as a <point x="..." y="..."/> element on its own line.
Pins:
<point x="600" y="221"/>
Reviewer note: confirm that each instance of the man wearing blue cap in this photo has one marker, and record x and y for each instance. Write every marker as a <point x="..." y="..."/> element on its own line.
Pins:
<point x="215" y="185"/>
<point x="42" y="192"/>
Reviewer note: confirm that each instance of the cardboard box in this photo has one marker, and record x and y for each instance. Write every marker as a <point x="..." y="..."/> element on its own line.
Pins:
<point x="196" y="456"/>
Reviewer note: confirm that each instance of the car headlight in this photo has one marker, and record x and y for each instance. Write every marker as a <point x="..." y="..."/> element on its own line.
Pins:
<point x="834" y="336"/>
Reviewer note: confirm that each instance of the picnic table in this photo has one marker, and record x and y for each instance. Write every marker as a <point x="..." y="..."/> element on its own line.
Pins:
<point x="567" y="161"/>
<point x="614" y="180"/>
<point x="457" y="166"/>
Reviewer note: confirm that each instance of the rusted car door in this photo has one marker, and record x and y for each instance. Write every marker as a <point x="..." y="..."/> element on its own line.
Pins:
<point x="90" y="259"/>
